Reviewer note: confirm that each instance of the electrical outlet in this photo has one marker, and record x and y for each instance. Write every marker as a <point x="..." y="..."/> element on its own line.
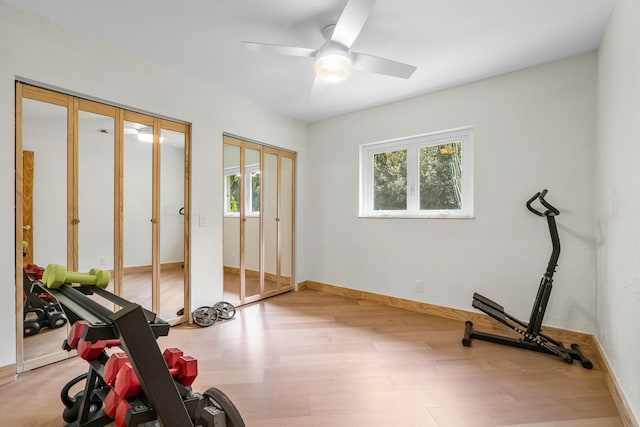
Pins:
<point x="202" y="220"/>
<point x="103" y="261"/>
<point x="419" y="286"/>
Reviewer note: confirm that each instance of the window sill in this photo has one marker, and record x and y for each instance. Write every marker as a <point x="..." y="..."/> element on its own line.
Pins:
<point x="442" y="216"/>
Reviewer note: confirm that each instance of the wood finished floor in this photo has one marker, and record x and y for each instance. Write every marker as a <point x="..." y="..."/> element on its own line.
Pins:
<point x="310" y="359"/>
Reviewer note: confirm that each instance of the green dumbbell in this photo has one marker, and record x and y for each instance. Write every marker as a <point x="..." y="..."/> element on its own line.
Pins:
<point x="55" y="275"/>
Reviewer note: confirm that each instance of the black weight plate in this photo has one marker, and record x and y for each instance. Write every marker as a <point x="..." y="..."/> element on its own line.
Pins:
<point x="225" y="310"/>
<point x="205" y="316"/>
<point x="218" y="399"/>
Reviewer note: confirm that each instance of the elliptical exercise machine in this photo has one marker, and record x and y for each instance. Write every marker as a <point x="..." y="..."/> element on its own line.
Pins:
<point x="532" y="337"/>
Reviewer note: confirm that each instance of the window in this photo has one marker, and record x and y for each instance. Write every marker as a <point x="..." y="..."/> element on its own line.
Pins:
<point x="232" y="184"/>
<point x="425" y="176"/>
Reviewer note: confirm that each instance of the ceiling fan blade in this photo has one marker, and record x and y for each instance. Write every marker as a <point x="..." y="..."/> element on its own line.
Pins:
<point x="351" y="21"/>
<point x="279" y="49"/>
<point x="319" y="86"/>
<point x="375" y="64"/>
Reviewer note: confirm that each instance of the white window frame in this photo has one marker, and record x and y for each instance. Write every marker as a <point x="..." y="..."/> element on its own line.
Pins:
<point x="246" y="182"/>
<point x="412" y="145"/>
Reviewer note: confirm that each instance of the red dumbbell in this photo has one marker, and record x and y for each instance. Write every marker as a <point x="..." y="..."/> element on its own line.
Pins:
<point x="128" y="385"/>
<point x="75" y="333"/>
<point x="34" y="270"/>
<point x="117" y="360"/>
<point x="185" y="370"/>
<point x="111" y="403"/>
<point x="113" y="365"/>
<point x="92" y="350"/>
<point x="171" y="356"/>
<point x="121" y="413"/>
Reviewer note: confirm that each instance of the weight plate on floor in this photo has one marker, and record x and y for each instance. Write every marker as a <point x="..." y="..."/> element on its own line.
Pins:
<point x="225" y="310"/>
<point x="205" y="316"/>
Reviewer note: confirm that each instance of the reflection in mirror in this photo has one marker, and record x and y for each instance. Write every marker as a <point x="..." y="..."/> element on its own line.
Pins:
<point x="252" y="175"/>
<point x="138" y="213"/>
<point x="231" y="232"/>
<point x="96" y="142"/>
<point x="44" y="145"/>
<point x="270" y="212"/>
<point x="172" y="210"/>
<point x="286" y="222"/>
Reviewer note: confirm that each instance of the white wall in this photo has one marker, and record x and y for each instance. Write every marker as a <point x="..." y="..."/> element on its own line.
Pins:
<point x="618" y="197"/>
<point x="36" y="49"/>
<point x="533" y="129"/>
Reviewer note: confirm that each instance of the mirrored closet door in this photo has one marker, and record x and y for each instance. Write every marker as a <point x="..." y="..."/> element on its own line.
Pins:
<point x="45" y="224"/>
<point x="99" y="187"/>
<point x="138" y="222"/>
<point x="258" y="220"/>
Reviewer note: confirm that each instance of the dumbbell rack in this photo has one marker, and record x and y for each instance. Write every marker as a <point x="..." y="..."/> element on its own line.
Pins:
<point x="137" y="329"/>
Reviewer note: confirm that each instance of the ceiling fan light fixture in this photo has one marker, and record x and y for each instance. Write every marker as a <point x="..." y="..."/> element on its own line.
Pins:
<point x="333" y="65"/>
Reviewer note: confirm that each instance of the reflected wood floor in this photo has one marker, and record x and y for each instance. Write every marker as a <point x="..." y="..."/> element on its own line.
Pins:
<point x="310" y="359"/>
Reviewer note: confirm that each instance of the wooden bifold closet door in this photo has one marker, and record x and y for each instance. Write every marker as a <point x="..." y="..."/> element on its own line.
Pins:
<point x="100" y="187"/>
<point x="258" y="210"/>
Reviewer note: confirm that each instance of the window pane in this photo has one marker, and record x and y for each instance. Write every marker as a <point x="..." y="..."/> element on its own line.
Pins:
<point x="390" y="180"/>
<point x="255" y="192"/>
<point x="440" y="176"/>
<point x="233" y="193"/>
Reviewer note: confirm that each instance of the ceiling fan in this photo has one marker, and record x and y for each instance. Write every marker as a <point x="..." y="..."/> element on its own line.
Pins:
<point x="334" y="59"/>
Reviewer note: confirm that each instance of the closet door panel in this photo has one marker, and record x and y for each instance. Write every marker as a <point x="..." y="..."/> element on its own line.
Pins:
<point x="96" y="153"/>
<point x="251" y="222"/>
<point x="172" y="230"/>
<point x="231" y="223"/>
<point x="138" y="213"/>
<point x="45" y="138"/>
<point x="286" y="221"/>
<point x="270" y="221"/>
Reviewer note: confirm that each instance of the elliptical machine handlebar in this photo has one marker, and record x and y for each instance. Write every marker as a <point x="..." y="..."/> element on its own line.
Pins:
<point x="551" y="210"/>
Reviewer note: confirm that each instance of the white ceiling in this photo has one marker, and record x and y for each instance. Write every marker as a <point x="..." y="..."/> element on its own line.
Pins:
<point x="450" y="41"/>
